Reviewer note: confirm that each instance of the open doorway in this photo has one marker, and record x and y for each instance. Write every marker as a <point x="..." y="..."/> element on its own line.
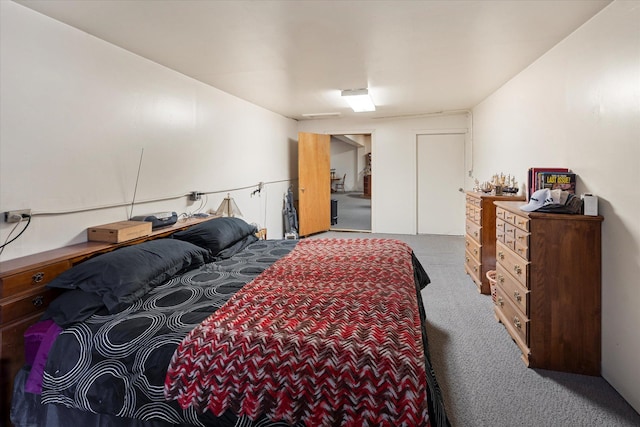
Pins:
<point x="351" y="182"/>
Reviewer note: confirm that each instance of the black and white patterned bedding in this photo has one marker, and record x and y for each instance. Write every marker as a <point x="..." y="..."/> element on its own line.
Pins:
<point x="116" y="364"/>
<point x="111" y="369"/>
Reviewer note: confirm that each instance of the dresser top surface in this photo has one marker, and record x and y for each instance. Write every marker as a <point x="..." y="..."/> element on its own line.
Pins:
<point x="494" y="197"/>
<point x="513" y="206"/>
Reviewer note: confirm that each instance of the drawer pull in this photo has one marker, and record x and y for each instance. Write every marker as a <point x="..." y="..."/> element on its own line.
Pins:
<point x="475" y="268"/>
<point x="501" y="255"/>
<point x="466" y="243"/>
<point x="517" y="323"/>
<point x="38" y="301"/>
<point x="475" y="251"/>
<point x="499" y="301"/>
<point x="517" y="269"/>
<point x="466" y="259"/>
<point x="517" y="296"/>
<point x="475" y="233"/>
<point x="38" y="277"/>
<point x="501" y="279"/>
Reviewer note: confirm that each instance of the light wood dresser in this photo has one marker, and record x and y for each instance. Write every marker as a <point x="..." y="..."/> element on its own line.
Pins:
<point x="548" y="287"/>
<point x="480" y="238"/>
<point x="24" y="297"/>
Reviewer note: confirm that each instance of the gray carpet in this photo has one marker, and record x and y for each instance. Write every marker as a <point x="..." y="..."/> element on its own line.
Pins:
<point x="354" y="212"/>
<point x="478" y="366"/>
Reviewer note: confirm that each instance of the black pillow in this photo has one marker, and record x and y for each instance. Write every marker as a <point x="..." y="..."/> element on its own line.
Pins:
<point x="73" y="306"/>
<point x="217" y="234"/>
<point x="236" y="247"/>
<point x="126" y="274"/>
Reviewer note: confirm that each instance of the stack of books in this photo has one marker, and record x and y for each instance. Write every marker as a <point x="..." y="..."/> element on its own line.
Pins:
<point x="551" y="178"/>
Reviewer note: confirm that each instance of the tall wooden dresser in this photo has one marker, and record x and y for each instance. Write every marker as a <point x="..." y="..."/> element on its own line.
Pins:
<point x="548" y="287"/>
<point x="480" y="238"/>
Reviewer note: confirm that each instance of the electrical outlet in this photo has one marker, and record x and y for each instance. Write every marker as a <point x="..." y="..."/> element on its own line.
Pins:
<point x="194" y="196"/>
<point x="16" y="216"/>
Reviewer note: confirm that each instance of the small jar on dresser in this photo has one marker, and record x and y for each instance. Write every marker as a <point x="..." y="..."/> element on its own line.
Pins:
<point x="480" y="238"/>
<point x="548" y="277"/>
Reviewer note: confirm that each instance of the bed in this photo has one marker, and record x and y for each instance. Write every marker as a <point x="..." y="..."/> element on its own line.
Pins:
<point x="213" y="327"/>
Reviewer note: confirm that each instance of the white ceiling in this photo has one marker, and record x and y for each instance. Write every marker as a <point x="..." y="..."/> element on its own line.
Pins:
<point x="294" y="57"/>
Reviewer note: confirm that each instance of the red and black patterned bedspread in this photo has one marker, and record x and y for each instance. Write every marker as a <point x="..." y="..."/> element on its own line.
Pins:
<point x="328" y="335"/>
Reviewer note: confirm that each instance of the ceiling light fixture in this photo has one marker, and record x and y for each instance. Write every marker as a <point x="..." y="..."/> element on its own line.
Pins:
<point x="320" y="115"/>
<point x="359" y="100"/>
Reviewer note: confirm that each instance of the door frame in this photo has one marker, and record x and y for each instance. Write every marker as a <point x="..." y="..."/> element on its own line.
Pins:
<point x="371" y="134"/>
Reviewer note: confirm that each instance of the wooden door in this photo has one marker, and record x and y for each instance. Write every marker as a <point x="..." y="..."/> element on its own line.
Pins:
<point x="441" y="205"/>
<point x="314" y="183"/>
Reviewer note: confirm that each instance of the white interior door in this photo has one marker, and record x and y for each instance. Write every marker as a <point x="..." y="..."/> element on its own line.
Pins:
<point x="441" y="204"/>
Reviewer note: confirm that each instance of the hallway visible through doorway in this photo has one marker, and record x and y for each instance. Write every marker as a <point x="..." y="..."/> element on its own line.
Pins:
<point x="354" y="212"/>
<point x="351" y="158"/>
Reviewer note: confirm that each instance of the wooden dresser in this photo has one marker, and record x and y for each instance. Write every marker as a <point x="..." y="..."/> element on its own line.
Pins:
<point x="24" y="297"/>
<point x="480" y="238"/>
<point x="367" y="186"/>
<point x="548" y="287"/>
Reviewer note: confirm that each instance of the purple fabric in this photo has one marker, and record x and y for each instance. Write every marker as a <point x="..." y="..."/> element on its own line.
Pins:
<point x="44" y="339"/>
<point x="32" y="338"/>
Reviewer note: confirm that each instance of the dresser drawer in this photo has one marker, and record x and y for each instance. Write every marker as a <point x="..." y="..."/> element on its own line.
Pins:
<point x="501" y="214"/>
<point x="474" y="214"/>
<point x="513" y="289"/>
<point x="522" y="222"/>
<point x="516" y="323"/>
<point x="510" y="230"/>
<point x="517" y="266"/>
<point x="473" y="267"/>
<point x="27" y="303"/>
<point x="474" y="230"/>
<point x="472" y="247"/>
<point x="31" y="279"/>
<point x="519" y="221"/>
<point x="521" y="244"/>
<point x="473" y="200"/>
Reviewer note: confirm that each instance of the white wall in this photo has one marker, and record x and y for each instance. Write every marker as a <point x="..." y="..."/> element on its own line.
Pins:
<point x="393" y="161"/>
<point x="579" y="106"/>
<point x="344" y="160"/>
<point x="76" y="112"/>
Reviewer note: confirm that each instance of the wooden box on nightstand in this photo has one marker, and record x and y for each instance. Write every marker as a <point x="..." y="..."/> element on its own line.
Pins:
<point x="117" y="232"/>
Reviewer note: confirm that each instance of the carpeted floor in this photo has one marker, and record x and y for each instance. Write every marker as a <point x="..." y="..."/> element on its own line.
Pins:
<point x="354" y="212"/>
<point x="478" y="366"/>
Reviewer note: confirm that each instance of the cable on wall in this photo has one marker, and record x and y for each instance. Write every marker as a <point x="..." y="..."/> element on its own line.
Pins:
<point x="7" y="241"/>
<point x="161" y="199"/>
